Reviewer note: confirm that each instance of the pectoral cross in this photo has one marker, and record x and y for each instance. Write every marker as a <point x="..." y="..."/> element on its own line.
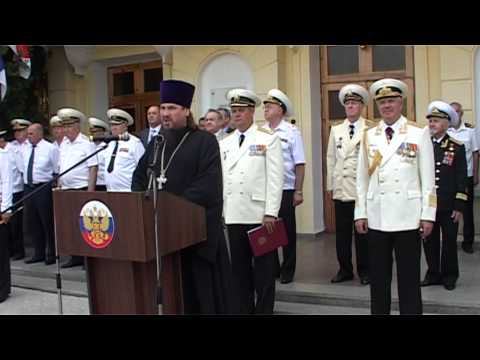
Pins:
<point x="161" y="180"/>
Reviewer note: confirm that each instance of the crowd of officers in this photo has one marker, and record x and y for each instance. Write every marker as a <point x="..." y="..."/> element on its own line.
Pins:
<point x="394" y="184"/>
<point x="252" y="195"/>
<point x="398" y="186"/>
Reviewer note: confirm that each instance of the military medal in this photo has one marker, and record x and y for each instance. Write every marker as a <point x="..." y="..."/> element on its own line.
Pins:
<point x="257" y="149"/>
<point x="162" y="179"/>
<point x="448" y="158"/>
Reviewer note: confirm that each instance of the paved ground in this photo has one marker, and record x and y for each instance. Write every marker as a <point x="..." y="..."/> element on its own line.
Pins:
<point x="31" y="302"/>
<point x="311" y="293"/>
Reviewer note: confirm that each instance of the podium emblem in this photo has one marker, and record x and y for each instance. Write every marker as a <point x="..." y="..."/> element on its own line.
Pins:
<point x="96" y="224"/>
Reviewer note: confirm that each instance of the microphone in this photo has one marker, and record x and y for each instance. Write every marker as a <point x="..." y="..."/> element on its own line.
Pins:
<point x="108" y="138"/>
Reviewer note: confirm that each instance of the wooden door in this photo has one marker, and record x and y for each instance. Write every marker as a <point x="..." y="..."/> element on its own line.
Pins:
<point x="134" y="88"/>
<point x="363" y="65"/>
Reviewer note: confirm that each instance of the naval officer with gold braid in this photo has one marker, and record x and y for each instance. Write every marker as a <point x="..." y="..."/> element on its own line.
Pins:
<point x="396" y="201"/>
<point x="342" y="158"/>
<point x="253" y="170"/>
<point x="451" y="185"/>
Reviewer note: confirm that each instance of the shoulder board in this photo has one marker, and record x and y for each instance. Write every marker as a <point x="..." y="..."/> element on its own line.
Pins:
<point x="266" y="131"/>
<point x="336" y="123"/>
<point x="455" y="141"/>
<point x="413" y="123"/>
<point x="469" y="125"/>
<point x="370" y="123"/>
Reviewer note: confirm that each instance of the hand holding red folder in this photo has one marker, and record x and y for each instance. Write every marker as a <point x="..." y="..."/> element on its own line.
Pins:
<point x="269" y="223"/>
<point x="262" y="242"/>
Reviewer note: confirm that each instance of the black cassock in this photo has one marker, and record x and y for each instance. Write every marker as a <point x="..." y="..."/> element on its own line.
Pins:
<point x="195" y="174"/>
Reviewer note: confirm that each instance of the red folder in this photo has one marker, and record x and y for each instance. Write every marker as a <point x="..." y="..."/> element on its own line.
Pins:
<point x="262" y="242"/>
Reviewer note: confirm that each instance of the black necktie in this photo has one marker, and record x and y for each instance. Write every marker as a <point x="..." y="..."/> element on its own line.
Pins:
<point x="352" y="130"/>
<point x="112" y="159"/>
<point x="242" y="137"/>
<point x="30" y="167"/>
<point x="389" y="132"/>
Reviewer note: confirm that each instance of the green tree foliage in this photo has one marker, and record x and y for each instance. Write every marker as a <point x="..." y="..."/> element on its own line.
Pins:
<point x="24" y="97"/>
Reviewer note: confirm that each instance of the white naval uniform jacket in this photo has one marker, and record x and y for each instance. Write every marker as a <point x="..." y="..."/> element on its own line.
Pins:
<point x="401" y="190"/>
<point x="342" y="156"/>
<point x="252" y="176"/>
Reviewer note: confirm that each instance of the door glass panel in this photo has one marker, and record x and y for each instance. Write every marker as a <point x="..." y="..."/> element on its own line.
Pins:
<point x="123" y="84"/>
<point x="342" y="59"/>
<point x="152" y="78"/>
<point x="335" y="108"/>
<point x="388" y="57"/>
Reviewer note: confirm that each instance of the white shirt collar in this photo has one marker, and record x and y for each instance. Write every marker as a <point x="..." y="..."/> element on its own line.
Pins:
<point x="395" y="126"/>
<point x="355" y="124"/>
<point x="249" y="131"/>
<point x="439" y="140"/>
<point x="282" y="126"/>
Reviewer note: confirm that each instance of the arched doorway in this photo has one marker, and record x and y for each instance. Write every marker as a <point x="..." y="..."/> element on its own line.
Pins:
<point x="220" y="74"/>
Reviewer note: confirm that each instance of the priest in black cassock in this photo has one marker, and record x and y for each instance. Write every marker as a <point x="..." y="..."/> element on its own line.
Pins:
<point x="191" y="168"/>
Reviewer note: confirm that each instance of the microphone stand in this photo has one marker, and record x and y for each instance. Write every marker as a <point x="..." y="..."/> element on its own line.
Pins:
<point x="49" y="183"/>
<point x="153" y="186"/>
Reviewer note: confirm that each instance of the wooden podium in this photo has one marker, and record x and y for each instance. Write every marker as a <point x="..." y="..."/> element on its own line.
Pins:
<point x="121" y="277"/>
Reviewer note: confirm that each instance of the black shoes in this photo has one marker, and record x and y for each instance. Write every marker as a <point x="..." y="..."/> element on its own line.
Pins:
<point x="34" y="260"/>
<point x="286" y="279"/>
<point x="364" y="280"/>
<point x="18" y="257"/>
<point x="449" y="285"/>
<point x="468" y="248"/>
<point x="428" y="281"/>
<point x="3" y="298"/>
<point x="50" y="260"/>
<point x="72" y="263"/>
<point x="341" y="277"/>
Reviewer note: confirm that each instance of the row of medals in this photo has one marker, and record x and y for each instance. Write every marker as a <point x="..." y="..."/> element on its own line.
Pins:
<point x="448" y="156"/>
<point x="407" y="150"/>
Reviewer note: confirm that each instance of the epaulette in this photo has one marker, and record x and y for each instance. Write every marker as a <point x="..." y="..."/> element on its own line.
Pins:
<point x="336" y="123"/>
<point x="266" y="131"/>
<point x="369" y="124"/>
<point x="455" y="141"/>
<point x="413" y="123"/>
<point x="469" y="125"/>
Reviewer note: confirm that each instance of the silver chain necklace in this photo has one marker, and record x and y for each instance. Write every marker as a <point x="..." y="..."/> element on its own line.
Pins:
<point x="163" y="179"/>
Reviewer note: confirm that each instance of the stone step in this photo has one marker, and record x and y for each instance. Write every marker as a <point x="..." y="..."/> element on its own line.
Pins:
<point x="315" y="294"/>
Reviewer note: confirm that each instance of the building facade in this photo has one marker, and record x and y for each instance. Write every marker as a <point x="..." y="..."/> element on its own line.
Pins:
<point x="93" y="78"/>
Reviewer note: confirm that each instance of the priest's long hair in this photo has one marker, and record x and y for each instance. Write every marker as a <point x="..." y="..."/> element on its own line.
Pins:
<point x="191" y="121"/>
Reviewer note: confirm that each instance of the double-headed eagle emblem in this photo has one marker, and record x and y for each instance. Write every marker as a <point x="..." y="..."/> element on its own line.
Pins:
<point x="96" y="222"/>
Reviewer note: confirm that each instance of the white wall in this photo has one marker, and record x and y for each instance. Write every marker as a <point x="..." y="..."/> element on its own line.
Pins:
<point x="222" y="73"/>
